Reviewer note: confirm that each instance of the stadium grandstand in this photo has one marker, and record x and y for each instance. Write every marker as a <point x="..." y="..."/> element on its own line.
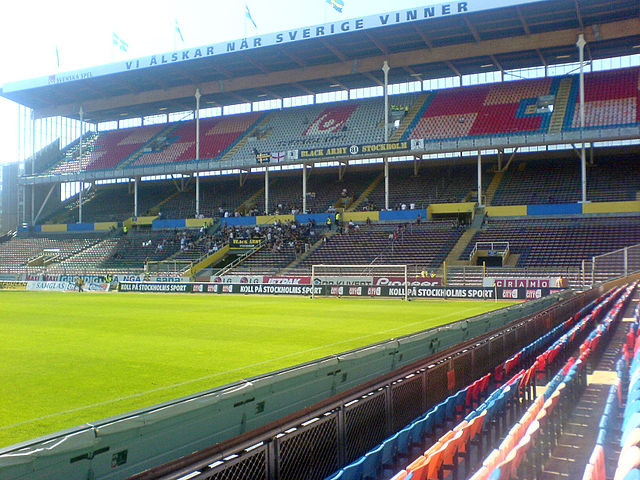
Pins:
<point x="469" y="149"/>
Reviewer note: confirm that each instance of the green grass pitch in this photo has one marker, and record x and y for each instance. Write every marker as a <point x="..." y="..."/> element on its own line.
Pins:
<point x="69" y="358"/>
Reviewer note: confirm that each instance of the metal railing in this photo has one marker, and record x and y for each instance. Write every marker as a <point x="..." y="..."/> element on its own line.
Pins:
<point x="170" y="266"/>
<point x="473" y="275"/>
<point x="430" y="147"/>
<point x="500" y="247"/>
<point x="239" y="260"/>
<point x="618" y="263"/>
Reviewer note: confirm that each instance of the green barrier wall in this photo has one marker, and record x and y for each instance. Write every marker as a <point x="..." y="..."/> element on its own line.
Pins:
<point x="119" y="447"/>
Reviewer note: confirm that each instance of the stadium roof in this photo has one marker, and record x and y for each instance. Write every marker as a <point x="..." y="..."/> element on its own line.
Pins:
<point x="455" y="38"/>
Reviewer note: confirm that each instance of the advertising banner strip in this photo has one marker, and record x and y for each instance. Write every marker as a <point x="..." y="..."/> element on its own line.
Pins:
<point x="454" y="292"/>
<point x="12" y="285"/>
<point x="244" y="243"/>
<point x="155" y="287"/>
<point x="66" y="286"/>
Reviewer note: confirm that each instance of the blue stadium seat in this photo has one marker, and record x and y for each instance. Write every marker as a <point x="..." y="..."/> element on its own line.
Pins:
<point x="404" y="442"/>
<point x="632" y="475"/>
<point x="336" y="476"/>
<point x="389" y="451"/>
<point x="495" y="475"/>
<point x="353" y="471"/>
<point x="372" y="465"/>
<point x="439" y="415"/>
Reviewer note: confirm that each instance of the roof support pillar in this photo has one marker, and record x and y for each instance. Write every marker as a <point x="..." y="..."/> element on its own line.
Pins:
<point x="480" y="179"/>
<point x="197" y="95"/>
<point x="80" y="165"/>
<point x="266" y="190"/>
<point x="583" y="161"/>
<point x="304" y="188"/>
<point x="386" y="183"/>
<point x="135" y="196"/>
<point x="33" y="159"/>
<point x="385" y="70"/>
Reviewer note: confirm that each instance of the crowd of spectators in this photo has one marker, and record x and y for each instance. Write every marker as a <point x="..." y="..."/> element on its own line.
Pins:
<point x="277" y="235"/>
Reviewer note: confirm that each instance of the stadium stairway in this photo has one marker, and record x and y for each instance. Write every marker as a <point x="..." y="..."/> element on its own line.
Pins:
<point x="250" y="201"/>
<point x="165" y="132"/>
<point x="560" y="106"/>
<point x="454" y="254"/>
<point x="65" y="213"/>
<point x="492" y="187"/>
<point x="366" y="193"/>
<point x="158" y="207"/>
<point x="70" y="208"/>
<point x="245" y="138"/>
<point x="288" y="269"/>
<point x="408" y="118"/>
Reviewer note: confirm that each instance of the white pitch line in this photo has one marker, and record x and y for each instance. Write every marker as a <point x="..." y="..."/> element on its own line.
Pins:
<point x="208" y="377"/>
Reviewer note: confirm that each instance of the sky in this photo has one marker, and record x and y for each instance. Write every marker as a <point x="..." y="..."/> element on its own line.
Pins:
<point x="82" y="31"/>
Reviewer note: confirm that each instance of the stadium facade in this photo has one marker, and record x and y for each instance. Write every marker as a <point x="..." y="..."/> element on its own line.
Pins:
<point x="498" y="115"/>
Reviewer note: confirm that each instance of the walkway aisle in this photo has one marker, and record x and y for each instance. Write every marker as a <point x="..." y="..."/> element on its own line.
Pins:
<point x="569" y="458"/>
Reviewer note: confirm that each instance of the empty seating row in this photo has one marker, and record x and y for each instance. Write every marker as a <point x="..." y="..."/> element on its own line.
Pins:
<point x="426" y="244"/>
<point x="18" y="251"/>
<point x="484" y="110"/>
<point x="433" y="184"/>
<point x="544" y="181"/>
<point x="541" y="424"/>
<point x="135" y="250"/>
<point x="628" y="465"/>
<point x="480" y="421"/>
<point x="559" y="242"/>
